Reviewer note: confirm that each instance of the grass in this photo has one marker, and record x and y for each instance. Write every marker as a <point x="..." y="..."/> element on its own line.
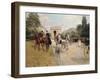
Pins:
<point x="37" y="58"/>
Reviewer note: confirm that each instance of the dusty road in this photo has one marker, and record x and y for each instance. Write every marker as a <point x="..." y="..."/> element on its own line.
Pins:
<point x="73" y="56"/>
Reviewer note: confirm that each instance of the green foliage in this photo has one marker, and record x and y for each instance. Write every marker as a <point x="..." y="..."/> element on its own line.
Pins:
<point x="83" y="30"/>
<point x="72" y="32"/>
<point x="63" y="36"/>
<point x="79" y="29"/>
<point x="32" y="22"/>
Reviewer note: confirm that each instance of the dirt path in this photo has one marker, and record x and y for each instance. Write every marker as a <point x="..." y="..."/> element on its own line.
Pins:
<point x="74" y="55"/>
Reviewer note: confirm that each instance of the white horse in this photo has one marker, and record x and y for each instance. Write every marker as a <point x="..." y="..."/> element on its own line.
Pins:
<point x="65" y="44"/>
<point x="56" y="47"/>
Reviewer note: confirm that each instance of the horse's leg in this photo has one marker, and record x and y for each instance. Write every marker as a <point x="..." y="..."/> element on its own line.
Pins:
<point x="42" y="46"/>
<point x="64" y="45"/>
<point x="67" y="46"/>
<point x="35" y="44"/>
<point x="38" y="45"/>
<point x="47" y="47"/>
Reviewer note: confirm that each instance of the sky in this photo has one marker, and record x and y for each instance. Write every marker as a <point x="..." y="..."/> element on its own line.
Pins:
<point x="65" y="21"/>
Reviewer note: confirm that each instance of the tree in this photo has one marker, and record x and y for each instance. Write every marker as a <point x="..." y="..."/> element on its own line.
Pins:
<point x="79" y="29"/>
<point x="83" y="30"/>
<point x="32" y="22"/>
<point x="84" y="21"/>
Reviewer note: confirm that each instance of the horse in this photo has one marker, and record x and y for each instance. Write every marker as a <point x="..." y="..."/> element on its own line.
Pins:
<point x="65" y="44"/>
<point x="47" y="41"/>
<point x="38" y="40"/>
<point x="57" y="45"/>
<point x="42" y="41"/>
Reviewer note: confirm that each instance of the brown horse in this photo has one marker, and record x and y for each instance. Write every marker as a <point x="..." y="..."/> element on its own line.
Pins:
<point x="42" y="41"/>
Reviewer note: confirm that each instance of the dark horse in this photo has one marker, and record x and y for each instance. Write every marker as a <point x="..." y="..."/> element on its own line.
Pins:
<point x="47" y="40"/>
<point x="42" y="41"/>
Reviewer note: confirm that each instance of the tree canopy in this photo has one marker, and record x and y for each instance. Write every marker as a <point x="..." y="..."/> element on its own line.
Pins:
<point x="32" y="22"/>
<point x="83" y="29"/>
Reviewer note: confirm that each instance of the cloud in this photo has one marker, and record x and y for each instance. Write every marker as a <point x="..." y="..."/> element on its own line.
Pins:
<point x="72" y="20"/>
<point x="65" y="21"/>
<point x="43" y="19"/>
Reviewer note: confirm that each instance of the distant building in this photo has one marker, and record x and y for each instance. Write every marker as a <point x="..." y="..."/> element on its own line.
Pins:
<point x="55" y="30"/>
